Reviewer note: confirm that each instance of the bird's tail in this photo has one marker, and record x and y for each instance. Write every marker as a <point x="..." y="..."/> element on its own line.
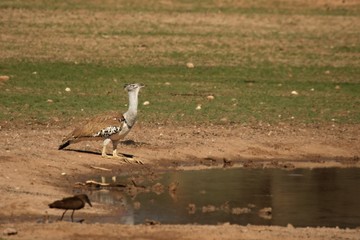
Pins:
<point x="64" y="144"/>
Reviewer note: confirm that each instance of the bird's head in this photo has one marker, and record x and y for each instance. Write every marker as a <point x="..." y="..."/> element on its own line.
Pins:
<point x="133" y="86"/>
<point x="84" y="198"/>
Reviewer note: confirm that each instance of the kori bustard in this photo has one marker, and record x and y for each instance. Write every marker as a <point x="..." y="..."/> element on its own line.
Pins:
<point x="110" y="128"/>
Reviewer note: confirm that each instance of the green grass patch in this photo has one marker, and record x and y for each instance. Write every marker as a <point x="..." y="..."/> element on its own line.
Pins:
<point x="36" y="93"/>
<point x="250" y="55"/>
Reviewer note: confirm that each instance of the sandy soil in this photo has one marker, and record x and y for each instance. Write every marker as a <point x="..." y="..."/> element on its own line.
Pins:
<point x="34" y="173"/>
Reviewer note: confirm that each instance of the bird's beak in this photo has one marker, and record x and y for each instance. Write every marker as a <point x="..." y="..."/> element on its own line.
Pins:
<point x="141" y="85"/>
<point x="88" y="201"/>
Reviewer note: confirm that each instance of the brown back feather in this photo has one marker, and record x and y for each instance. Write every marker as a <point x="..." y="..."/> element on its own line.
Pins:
<point x="95" y="125"/>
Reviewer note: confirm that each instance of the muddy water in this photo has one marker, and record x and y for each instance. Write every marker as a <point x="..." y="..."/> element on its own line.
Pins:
<point x="320" y="197"/>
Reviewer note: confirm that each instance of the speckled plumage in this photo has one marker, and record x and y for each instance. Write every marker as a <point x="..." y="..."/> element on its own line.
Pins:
<point x="107" y="132"/>
<point x="102" y="126"/>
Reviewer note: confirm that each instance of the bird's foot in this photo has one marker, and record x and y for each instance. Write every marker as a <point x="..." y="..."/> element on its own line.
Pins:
<point x="106" y="156"/>
<point x="125" y="159"/>
<point x="132" y="160"/>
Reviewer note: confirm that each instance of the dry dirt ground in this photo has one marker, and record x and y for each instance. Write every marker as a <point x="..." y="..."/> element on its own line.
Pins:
<point x="34" y="173"/>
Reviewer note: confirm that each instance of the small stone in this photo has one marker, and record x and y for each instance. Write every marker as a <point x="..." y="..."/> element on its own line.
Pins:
<point x="10" y="231"/>
<point x="198" y="107"/>
<point x="337" y="87"/>
<point x="224" y="119"/>
<point x="4" y="78"/>
<point x="67" y="89"/>
<point x="294" y="93"/>
<point x="190" y="65"/>
<point x="63" y="174"/>
<point x="167" y="84"/>
<point x="146" y="103"/>
<point x="327" y="72"/>
<point x="312" y="89"/>
<point x="210" y="97"/>
<point x="49" y="101"/>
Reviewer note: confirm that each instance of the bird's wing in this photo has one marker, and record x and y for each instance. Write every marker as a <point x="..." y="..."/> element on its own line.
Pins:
<point x="95" y="125"/>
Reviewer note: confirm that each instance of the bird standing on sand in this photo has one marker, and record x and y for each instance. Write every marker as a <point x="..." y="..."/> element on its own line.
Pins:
<point x="74" y="203"/>
<point x="110" y="128"/>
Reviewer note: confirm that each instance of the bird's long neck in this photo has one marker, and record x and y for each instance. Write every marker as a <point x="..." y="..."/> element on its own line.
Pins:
<point x="131" y="113"/>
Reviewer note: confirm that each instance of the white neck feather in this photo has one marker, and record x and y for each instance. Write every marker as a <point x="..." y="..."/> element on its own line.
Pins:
<point x="131" y="113"/>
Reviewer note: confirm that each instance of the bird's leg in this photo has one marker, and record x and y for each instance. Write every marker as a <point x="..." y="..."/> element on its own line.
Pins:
<point x="115" y="154"/>
<point x="72" y="216"/>
<point x="115" y="143"/>
<point x="63" y="215"/>
<point x="106" y="142"/>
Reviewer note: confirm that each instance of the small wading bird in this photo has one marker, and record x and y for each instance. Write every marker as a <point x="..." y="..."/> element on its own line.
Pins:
<point x="73" y="203"/>
<point x="110" y="128"/>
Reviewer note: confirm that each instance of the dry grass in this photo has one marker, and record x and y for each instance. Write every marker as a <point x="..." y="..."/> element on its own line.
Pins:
<point x="91" y="34"/>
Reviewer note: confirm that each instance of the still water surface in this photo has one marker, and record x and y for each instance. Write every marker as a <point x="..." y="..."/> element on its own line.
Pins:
<point x="320" y="197"/>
